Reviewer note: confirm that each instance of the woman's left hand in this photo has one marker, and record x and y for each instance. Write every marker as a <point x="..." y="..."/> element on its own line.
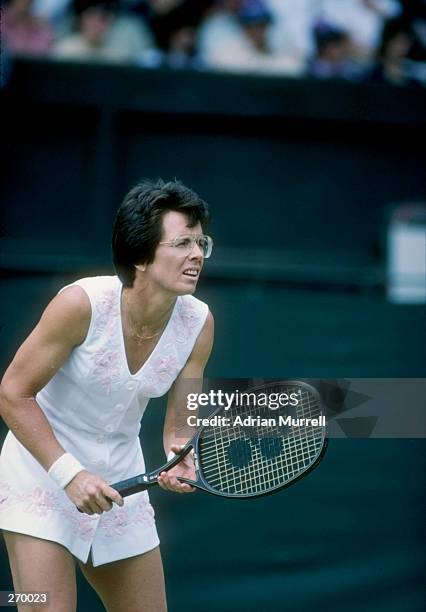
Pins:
<point x="186" y="469"/>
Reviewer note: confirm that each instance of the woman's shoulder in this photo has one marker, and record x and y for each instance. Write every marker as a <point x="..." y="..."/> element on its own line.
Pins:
<point x="190" y="302"/>
<point x="94" y="285"/>
<point x="191" y="312"/>
<point x="94" y="289"/>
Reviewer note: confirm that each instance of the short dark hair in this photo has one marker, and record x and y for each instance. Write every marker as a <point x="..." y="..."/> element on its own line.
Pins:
<point x="138" y="224"/>
<point x="81" y="6"/>
<point x="326" y="34"/>
<point x="391" y="28"/>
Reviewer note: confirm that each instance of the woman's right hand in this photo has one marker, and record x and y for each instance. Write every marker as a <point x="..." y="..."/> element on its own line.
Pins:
<point x="92" y="494"/>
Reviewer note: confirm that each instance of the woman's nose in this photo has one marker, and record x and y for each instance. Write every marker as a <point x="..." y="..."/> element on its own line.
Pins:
<point x="196" y="251"/>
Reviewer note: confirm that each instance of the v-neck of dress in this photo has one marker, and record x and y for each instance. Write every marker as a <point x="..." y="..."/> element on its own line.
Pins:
<point x="123" y="343"/>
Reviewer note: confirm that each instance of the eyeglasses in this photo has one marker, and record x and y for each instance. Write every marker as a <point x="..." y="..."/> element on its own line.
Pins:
<point x="185" y="244"/>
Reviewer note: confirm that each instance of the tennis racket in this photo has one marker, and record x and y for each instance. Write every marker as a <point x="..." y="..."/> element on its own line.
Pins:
<point x="260" y="452"/>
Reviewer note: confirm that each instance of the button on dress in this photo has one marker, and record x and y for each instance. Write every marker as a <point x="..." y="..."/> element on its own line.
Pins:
<point x="95" y="405"/>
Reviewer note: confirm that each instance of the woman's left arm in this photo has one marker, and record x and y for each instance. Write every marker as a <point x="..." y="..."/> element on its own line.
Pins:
<point x="189" y="380"/>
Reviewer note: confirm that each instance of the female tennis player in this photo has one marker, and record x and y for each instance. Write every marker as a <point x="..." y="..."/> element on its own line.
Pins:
<point x="73" y="398"/>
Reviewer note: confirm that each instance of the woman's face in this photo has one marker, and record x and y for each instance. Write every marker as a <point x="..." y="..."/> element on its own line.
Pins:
<point x="399" y="46"/>
<point x="172" y="271"/>
<point x="94" y="25"/>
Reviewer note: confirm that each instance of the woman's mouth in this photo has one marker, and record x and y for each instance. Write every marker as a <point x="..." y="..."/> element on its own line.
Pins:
<point x="191" y="272"/>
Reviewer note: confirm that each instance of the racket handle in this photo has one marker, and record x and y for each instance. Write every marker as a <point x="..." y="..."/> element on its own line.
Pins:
<point x="143" y="481"/>
<point x="133" y="485"/>
<point x="130" y="486"/>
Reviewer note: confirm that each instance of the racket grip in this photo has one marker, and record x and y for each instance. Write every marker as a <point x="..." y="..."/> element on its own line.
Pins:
<point x="144" y="481"/>
<point x="133" y="485"/>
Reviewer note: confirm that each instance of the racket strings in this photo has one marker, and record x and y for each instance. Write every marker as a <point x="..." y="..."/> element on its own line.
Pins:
<point x="235" y="461"/>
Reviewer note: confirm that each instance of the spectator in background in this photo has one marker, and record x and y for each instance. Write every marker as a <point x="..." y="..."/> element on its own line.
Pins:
<point x="362" y="19"/>
<point x="103" y="35"/>
<point x="255" y="19"/>
<point x="414" y="11"/>
<point x="235" y="38"/>
<point x="291" y="28"/>
<point x="174" y="24"/>
<point x="393" y="53"/>
<point x="56" y="12"/>
<point x="333" y="57"/>
<point x="219" y="27"/>
<point x="23" y="33"/>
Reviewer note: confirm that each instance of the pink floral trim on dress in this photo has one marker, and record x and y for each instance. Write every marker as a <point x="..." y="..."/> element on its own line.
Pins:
<point x="108" y="367"/>
<point x="164" y="365"/>
<point x="163" y="370"/>
<point x="43" y="502"/>
<point x="187" y="318"/>
<point x="115" y="522"/>
<point x="107" y="310"/>
<point x="160" y="373"/>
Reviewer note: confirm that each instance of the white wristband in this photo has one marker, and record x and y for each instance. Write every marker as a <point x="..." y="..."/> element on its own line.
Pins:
<point x="64" y="469"/>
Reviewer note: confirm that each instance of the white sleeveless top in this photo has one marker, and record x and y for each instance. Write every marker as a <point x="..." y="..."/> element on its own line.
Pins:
<point x="95" y="405"/>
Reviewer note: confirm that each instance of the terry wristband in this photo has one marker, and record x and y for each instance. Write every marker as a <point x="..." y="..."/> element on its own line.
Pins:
<point x="64" y="469"/>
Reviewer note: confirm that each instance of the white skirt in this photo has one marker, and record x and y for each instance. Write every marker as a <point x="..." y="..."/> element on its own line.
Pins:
<point x="32" y="504"/>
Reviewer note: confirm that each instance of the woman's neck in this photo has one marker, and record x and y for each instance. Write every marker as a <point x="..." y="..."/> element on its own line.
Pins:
<point x="146" y="308"/>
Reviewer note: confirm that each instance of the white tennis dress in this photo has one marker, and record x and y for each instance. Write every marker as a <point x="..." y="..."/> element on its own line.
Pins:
<point x="94" y="405"/>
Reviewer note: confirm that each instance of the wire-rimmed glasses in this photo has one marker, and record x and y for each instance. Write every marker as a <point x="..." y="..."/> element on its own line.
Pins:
<point x="185" y="243"/>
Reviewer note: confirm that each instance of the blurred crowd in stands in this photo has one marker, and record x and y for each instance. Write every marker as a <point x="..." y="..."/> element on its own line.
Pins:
<point x="356" y="40"/>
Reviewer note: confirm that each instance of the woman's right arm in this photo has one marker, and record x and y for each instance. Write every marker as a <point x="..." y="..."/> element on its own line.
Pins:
<point x="63" y="326"/>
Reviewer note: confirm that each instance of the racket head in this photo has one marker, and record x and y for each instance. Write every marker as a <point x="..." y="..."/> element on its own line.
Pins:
<point x="249" y="461"/>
